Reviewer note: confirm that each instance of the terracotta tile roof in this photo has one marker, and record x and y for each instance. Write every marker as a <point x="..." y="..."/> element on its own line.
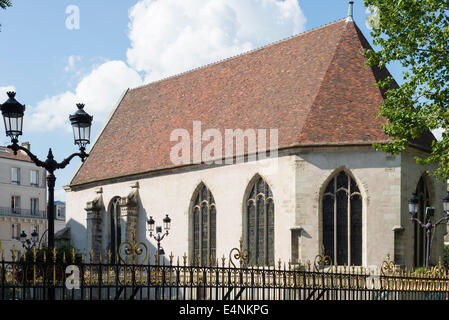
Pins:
<point x="7" y="153"/>
<point x="313" y="87"/>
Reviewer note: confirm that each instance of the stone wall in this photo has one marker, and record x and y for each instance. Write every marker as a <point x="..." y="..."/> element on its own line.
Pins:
<point x="297" y="185"/>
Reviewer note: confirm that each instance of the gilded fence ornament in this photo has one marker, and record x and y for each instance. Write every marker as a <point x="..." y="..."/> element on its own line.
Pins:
<point x="13" y="252"/>
<point x="212" y="261"/>
<point x="133" y="249"/>
<point x="388" y="267"/>
<point x="321" y="261"/>
<point x="171" y="256"/>
<point x="239" y="254"/>
<point x="439" y="270"/>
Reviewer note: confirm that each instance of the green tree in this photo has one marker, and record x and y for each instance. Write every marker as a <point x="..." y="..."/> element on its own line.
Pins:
<point x="4" y="4"/>
<point x="414" y="33"/>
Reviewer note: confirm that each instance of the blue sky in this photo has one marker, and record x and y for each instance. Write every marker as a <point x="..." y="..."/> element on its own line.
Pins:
<point x="115" y="47"/>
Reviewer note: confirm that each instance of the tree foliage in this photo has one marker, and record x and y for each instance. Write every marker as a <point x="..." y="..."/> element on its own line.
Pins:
<point x="414" y="33"/>
<point x="4" y="4"/>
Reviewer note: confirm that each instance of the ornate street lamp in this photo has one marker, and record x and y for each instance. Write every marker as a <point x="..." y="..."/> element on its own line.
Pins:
<point x="427" y="225"/>
<point x="13" y="113"/>
<point x="159" y="236"/>
<point x="29" y="243"/>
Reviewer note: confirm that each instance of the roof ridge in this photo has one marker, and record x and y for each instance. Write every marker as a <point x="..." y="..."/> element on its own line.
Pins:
<point x="239" y="55"/>
<point x="324" y="76"/>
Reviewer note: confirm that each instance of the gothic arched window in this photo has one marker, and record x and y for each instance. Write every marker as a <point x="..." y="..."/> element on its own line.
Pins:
<point x="422" y="192"/>
<point x="260" y="224"/>
<point x="115" y="227"/>
<point x="342" y="220"/>
<point x="204" y="226"/>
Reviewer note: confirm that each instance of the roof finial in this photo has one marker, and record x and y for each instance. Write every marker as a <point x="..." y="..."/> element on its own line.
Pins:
<point x="350" y="11"/>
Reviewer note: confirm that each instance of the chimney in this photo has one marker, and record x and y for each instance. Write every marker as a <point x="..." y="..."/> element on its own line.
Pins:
<point x="26" y="145"/>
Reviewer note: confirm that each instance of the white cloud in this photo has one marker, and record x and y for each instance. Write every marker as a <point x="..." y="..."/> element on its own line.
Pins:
<point x="172" y="36"/>
<point x="99" y="90"/>
<point x="168" y="37"/>
<point x="3" y="91"/>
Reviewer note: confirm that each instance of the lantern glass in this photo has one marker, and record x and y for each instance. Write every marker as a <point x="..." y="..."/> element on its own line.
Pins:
<point x="413" y="204"/>
<point x="13" y="125"/>
<point x="81" y="134"/>
<point x="446" y="202"/>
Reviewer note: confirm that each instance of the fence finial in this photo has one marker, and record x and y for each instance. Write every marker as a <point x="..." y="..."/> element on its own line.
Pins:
<point x="13" y="252"/>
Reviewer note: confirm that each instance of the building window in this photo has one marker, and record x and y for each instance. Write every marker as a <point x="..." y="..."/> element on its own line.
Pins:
<point x="204" y="215"/>
<point x="115" y="227"/>
<point x="60" y="213"/>
<point x="422" y="192"/>
<point x="15" y="175"/>
<point x="15" y="204"/>
<point x="342" y="220"/>
<point x="260" y="224"/>
<point x="34" y="206"/>
<point x="34" y="178"/>
<point x="15" y="228"/>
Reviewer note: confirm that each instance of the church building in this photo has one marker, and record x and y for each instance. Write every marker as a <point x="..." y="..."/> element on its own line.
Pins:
<point x="320" y="185"/>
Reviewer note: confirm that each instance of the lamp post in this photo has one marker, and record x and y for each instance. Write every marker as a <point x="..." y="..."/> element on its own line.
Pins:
<point x="29" y="243"/>
<point x="13" y="113"/>
<point x="159" y="236"/>
<point x="427" y="224"/>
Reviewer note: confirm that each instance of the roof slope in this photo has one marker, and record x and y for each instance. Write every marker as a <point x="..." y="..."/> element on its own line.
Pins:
<point x="313" y="87"/>
<point x="9" y="154"/>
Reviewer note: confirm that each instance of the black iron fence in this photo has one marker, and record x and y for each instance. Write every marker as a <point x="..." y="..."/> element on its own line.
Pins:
<point x="67" y="278"/>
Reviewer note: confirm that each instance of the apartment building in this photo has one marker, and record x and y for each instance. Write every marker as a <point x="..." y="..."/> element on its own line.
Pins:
<point x="59" y="215"/>
<point x="22" y="199"/>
